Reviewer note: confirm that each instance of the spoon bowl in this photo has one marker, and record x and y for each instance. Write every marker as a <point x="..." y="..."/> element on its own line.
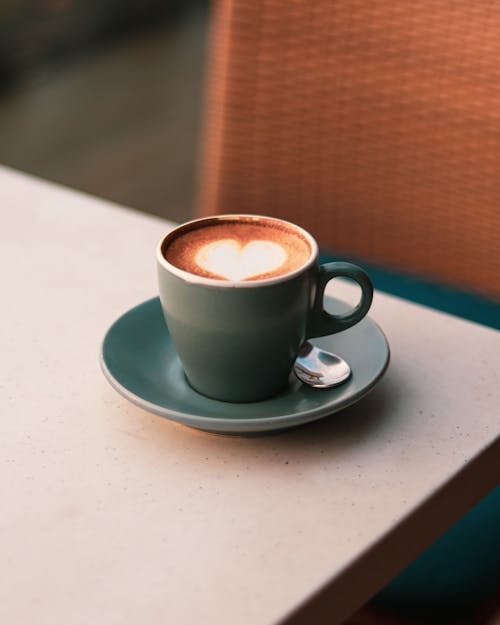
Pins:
<point x="319" y="368"/>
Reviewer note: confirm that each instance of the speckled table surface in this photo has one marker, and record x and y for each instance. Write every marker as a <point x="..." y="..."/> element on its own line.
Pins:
<point x="110" y="514"/>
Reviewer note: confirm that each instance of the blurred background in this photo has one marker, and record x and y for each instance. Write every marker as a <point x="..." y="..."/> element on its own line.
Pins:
<point x="391" y="159"/>
<point x="105" y="96"/>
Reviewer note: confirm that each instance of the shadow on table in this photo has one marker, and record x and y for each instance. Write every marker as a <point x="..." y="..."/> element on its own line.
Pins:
<point x="350" y="426"/>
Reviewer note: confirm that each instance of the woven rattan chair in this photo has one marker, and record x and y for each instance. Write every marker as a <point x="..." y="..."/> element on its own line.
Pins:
<point x="374" y="124"/>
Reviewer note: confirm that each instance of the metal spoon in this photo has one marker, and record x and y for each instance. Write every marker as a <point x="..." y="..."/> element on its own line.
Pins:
<point x="320" y="369"/>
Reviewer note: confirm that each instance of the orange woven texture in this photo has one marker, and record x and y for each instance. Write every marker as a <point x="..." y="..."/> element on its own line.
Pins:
<point x="374" y="124"/>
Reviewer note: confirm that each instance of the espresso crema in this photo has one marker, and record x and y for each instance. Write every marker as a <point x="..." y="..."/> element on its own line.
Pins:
<point x="244" y="249"/>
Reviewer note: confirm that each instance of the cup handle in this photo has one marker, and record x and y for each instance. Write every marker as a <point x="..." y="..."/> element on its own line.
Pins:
<point x="322" y="322"/>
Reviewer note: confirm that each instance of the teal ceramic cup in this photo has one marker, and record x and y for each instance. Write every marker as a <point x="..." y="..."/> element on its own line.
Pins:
<point x="238" y="340"/>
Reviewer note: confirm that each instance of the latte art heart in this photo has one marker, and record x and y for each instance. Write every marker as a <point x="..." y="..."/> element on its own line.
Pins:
<point x="229" y="259"/>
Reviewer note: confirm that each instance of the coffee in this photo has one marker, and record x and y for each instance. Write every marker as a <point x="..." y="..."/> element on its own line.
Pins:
<point x="237" y="249"/>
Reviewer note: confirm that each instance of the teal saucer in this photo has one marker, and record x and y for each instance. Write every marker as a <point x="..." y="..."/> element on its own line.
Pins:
<point x="139" y="360"/>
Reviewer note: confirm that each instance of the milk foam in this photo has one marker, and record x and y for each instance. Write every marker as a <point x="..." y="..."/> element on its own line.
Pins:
<point x="229" y="259"/>
<point x="238" y="250"/>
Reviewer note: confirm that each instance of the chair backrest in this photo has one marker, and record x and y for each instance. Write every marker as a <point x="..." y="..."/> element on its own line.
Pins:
<point x="374" y="124"/>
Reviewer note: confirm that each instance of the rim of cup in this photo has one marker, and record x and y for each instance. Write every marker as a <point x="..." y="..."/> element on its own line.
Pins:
<point x="216" y="282"/>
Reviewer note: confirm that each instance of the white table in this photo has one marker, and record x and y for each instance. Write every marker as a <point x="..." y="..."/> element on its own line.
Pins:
<point x="113" y="515"/>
